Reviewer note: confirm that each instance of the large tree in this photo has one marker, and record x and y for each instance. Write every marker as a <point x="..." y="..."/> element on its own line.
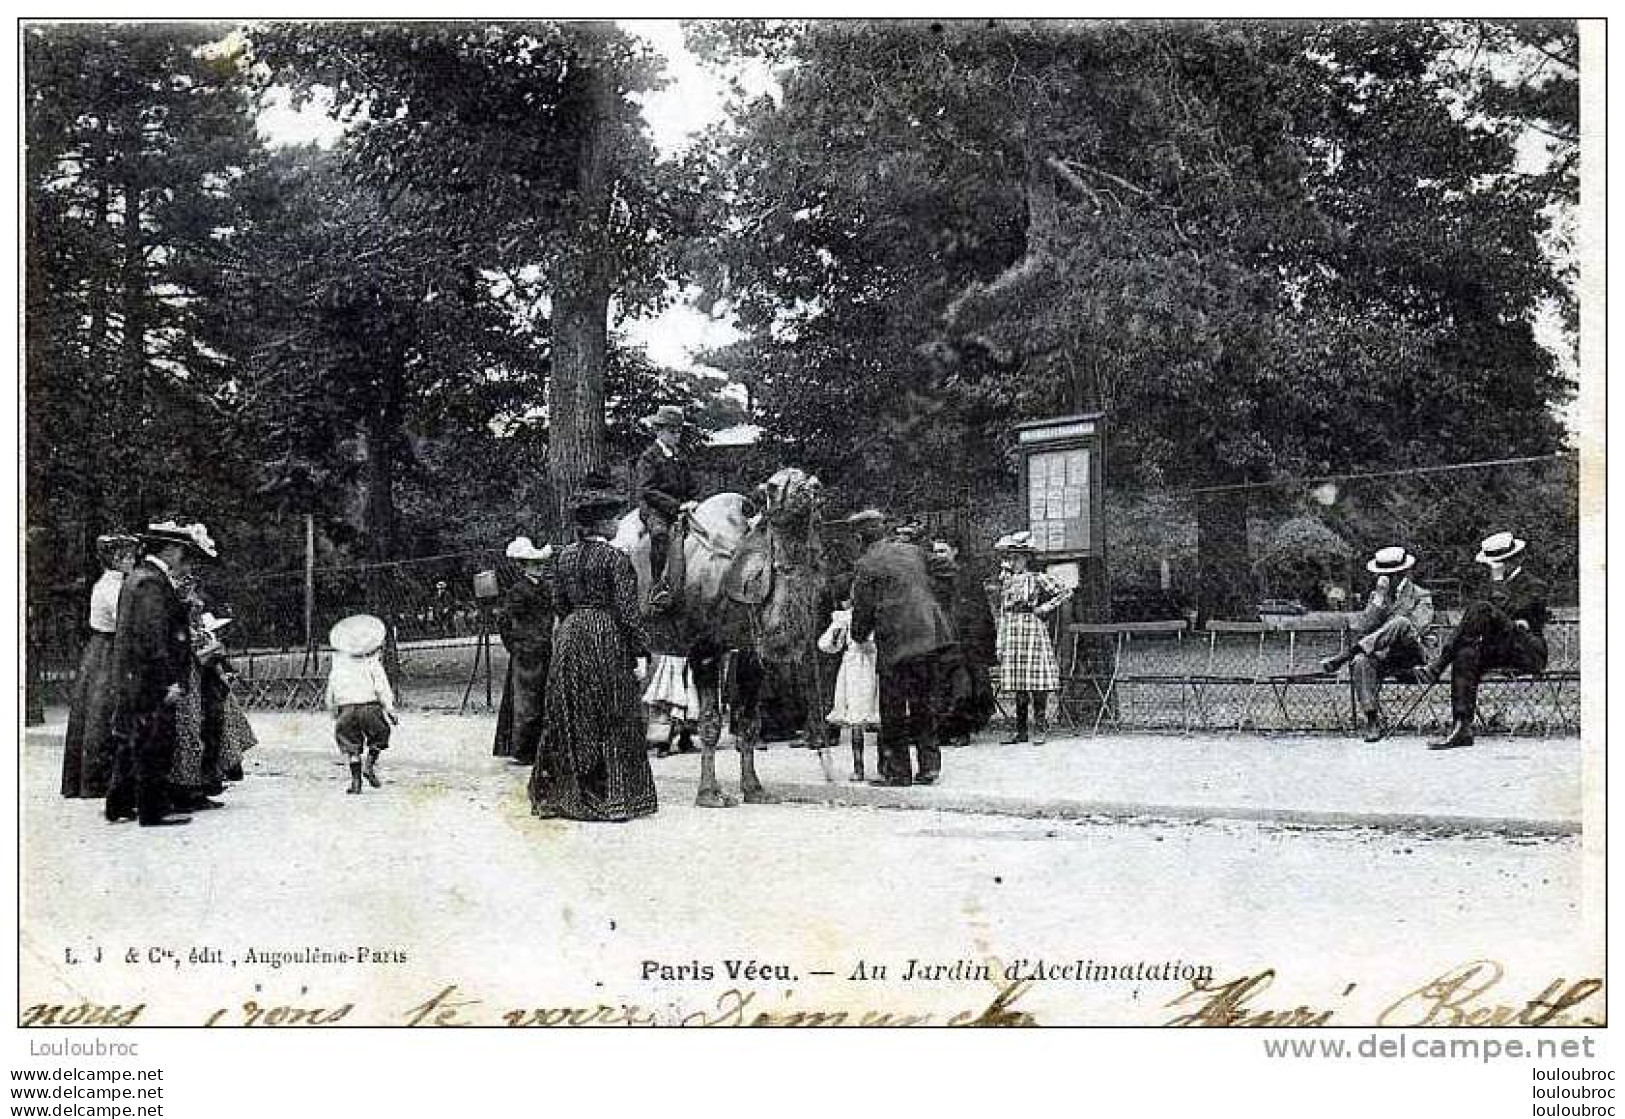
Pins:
<point x="1263" y="249"/>
<point x="135" y="140"/>
<point x="373" y="330"/>
<point x="527" y="145"/>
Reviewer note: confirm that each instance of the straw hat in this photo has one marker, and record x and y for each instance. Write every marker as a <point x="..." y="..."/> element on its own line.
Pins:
<point x="522" y="550"/>
<point x="193" y="536"/>
<point x="359" y="635"/>
<point x="865" y="517"/>
<point x="1390" y="561"/>
<point x="1499" y="548"/>
<point x="1015" y="542"/>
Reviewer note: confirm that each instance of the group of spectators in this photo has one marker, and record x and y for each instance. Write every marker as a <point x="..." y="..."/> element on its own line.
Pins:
<point x="154" y="730"/>
<point x="936" y="643"/>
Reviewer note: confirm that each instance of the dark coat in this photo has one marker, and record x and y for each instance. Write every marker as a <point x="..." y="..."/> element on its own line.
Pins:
<point x="965" y="599"/>
<point x="525" y="621"/>
<point x="1523" y="598"/>
<point x="662" y="483"/>
<point x="152" y="647"/>
<point x="893" y="600"/>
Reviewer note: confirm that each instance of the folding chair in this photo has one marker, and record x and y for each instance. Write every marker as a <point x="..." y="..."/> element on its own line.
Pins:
<point x="1083" y="698"/>
<point x="1290" y="655"/>
<point x="1148" y="654"/>
<point x="1232" y="643"/>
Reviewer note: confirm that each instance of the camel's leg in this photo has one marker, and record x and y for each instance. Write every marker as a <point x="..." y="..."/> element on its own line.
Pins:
<point x="750" y="726"/>
<point x="706" y="682"/>
<point x="818" y="735"/>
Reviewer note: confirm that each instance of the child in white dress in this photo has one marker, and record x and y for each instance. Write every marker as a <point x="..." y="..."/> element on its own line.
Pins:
<point x="857" y="686"/>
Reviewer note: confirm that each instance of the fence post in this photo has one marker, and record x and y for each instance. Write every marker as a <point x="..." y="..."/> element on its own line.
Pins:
<point x="310" y="581"/>
<point x="309" y="662"/>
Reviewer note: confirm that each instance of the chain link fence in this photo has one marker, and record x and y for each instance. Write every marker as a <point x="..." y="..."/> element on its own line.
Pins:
<point x="1287" y="556"/>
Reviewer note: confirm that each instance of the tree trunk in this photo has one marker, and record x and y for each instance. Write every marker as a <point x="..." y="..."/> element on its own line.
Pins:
<point x="582" y="285"/>
<point x="91" y="388"/>
<point x="133" y="360"/>
<point x="575" y="443"/>
<point x="1224" y="573"/>
<point x="383" y="430"/>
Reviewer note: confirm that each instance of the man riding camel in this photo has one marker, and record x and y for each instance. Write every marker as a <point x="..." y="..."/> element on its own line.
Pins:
<point x="666" y="488"/>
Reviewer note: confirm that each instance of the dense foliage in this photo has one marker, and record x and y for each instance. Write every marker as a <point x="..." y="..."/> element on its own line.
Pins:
<point x="1261" y="249"/>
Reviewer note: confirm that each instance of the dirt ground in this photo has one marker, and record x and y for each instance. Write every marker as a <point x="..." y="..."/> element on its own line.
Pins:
<point x="445" y="877"/>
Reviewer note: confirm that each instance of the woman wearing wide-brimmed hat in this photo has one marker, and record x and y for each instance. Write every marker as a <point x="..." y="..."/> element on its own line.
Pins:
<point x="87" y="755"/>
<point x="592" y="763"/>
<point x="196" y="774"/>
<point x="525" y="624"/>
<point x="1027" y="665"/>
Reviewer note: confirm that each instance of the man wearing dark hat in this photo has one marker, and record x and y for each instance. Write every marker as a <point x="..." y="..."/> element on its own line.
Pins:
<point x="893" y="601"/>
<point x="152" y="650"/>
<point x="1504" y="629"/>
<point x="1389" y="633"/>
<point x="965" y="690"/>
<point x="666" y="489"/>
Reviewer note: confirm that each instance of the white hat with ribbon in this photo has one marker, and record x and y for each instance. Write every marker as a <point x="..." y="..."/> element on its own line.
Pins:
<point x="1390" y="561"/>
<point x="1499" y="547"/>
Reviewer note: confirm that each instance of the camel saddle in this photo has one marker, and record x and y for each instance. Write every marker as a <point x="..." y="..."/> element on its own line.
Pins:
<point x="748" y="578"/>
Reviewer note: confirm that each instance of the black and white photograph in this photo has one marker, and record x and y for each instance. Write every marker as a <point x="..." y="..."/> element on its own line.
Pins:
<point x="819" y="522"/>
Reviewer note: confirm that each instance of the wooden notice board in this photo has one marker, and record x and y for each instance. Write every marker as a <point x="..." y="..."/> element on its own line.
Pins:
<point x="1061" y="484"/>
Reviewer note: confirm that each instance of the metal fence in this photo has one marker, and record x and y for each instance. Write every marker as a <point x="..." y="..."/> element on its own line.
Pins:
<point x="1299" y="545"/>
<point x="1289" y="552"/>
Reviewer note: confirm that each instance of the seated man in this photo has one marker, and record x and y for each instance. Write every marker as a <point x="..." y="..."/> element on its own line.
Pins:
<point x="665" y="488"/>
<point x="1504" y="629"/>
<point x="1389" y="629"/>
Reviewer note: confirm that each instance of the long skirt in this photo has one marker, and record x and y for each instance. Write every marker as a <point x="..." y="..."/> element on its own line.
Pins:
<point x="195" y="766"/>
<point x="87" y="755"/>
<point x="592" y="764"/>
<point x="237" y="738"/>
<point x="523" y="713"/>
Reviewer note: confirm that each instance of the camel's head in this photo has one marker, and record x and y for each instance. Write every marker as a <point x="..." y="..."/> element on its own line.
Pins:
<point x="791" y="497"/>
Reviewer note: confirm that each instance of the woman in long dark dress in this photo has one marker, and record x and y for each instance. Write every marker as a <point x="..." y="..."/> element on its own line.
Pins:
<point x="592" y="763"/>
<point x="87" y="756"/>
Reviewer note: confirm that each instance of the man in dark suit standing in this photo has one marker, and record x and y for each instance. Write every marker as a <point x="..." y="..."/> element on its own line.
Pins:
<point x="893" y="600"/>
<point x="965" y="690"/>
<point x="1505" y="629"/>
<point x="152" y="650"/>
<point x="666" y="488"/>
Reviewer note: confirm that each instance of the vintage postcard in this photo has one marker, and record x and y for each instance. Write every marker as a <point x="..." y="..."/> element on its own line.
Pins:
<point x="821" y="522"/>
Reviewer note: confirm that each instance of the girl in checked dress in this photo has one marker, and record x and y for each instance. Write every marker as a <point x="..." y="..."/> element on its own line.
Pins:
<point x="1027" y="665"/>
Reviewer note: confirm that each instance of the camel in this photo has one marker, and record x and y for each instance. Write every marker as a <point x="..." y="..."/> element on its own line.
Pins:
<point x="750" y="579"/>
